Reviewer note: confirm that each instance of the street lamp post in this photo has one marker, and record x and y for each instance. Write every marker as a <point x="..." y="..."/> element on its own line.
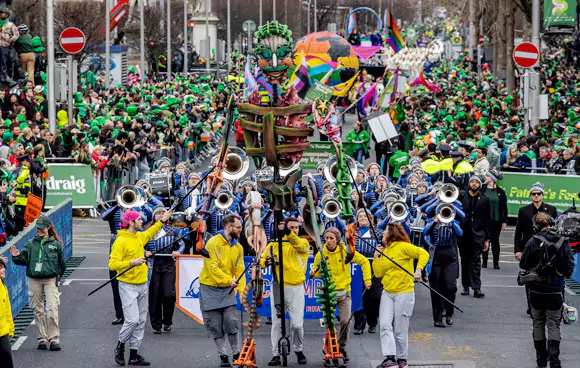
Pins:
<point x="168" y="59"/>
<point x="208" y="47"/>
<point x="229" y="51"/>
<point x="107" y="43"/>
<point x="185" y="64"/>
<point x="142" y="37"/>
<point x="50" y="71"/>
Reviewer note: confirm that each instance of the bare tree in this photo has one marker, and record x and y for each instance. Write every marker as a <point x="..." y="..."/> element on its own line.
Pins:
<point x="24" y="9"/>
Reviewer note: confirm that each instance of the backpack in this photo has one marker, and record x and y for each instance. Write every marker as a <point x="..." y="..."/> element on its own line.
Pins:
<point x="546" y="269"/>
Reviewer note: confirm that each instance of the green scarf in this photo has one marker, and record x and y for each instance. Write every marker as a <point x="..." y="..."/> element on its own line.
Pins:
<point x="3" y="22"/>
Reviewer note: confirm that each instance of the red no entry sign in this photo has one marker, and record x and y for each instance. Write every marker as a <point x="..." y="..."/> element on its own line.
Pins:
<point x="72" y="40"/>
<point x="526" y="55"/>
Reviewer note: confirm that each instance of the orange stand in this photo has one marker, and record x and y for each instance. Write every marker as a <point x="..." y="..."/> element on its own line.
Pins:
<point x="247" y="358"/>
<point x="330" y="349"/>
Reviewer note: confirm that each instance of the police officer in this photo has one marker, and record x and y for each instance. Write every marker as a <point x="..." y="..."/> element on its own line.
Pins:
<point x="23" y="187"/>
<point x="461" y="172"/>
<point x="430" y="164"/>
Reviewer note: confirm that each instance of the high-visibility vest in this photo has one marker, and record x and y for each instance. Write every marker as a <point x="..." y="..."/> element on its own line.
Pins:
<point x="430" y="166"/>
<point x="23" y="186"/>
<point x="446" y="164"/>
<point x="463" y="167"/>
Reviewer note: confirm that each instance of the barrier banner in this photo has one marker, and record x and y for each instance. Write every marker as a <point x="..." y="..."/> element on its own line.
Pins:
<point x="73" y="181"/>
<point x="320" y="152"/>
<point x="33" y="208"/>
<point x="187" y="286"/>
<point x="560" y="13"/>
<point x="559" y="190"/>
<point x="16" y="280"/>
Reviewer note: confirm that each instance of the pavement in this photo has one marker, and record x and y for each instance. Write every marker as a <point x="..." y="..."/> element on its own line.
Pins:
<point x="493" y="332"/>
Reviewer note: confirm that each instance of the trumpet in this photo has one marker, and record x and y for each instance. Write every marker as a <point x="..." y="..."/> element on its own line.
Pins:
<point x="331" y="207"/>
<point x="130" y="196"/>
<point x="399" y="211"/>
<point x="448" y="193"/>
<point x="224" y="199"/>
<point x="445" y="213"/>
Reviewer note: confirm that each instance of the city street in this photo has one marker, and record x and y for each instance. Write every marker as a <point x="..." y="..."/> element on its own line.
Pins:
<point x="493" y="332"/>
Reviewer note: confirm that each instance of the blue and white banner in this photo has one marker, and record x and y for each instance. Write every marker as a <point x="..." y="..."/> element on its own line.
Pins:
<point x="188" y="288"/>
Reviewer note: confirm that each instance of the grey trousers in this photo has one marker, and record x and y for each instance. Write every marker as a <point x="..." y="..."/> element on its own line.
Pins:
<point x="220" y="322"/>
<point x="135" y="300"/>
<point x="344" y="305"/>
<point x="294" y="302"/>
<point x="394" y="316"/>
<point x="546" y="318"/>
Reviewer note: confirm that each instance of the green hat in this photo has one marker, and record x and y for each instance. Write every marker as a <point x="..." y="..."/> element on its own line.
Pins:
<point x="82" y="111"/>
<point x="79" y="100"/>
<point x="37" y="44"/>
<point x="7" y="137"/>
<point x="132" y="110"/>
<point x="24" y="125"/>
<point x="95" y="129"/>
<point x="43" y="222"/>
<point x="20" y="118"/>
<point x="7" y="122"/>
<point x="120" y="105"/>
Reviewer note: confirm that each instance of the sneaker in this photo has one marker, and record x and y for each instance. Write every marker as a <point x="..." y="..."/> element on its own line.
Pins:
<point x="372" y="329"/>
<point x="301" y="358"/>
<point x="402" y="363"/>
<point x="157" y="331"/>
<point x="439" y="324"/>
<point x="344" y="354"/>
<point x="276" y="361"/>
<point x="496" y="266"/>
<point x="465" y="291"/>
<point x="167" y="328"/>
<point x="224" y="361"/>
<point x="449" y="321"/>
<point x="42" y="345"/>
<point x="478" y="294"/>
<point x="387" y="363"/>
<point x="120" y="355"/>
<point x="55" y="346"/>
<point x="269" y="321"/>
<point x="118" y="321"/>
<point x="358" y="331"/>
<point x="139" y="361"/>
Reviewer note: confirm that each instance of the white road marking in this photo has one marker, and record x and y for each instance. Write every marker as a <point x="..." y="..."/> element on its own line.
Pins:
<point x="502" y="286"/>
<point x="68" y="281"/>
<point x="33" y="322"/>
<point x="65" y="282"/>
<point x="569" y="291"/>
<point x="89" y="252"/>
<point x="91" y="268"/>
<point x="19" y="343"/>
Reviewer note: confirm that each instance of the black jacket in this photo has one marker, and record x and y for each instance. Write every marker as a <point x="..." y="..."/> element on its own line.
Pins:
<point x="503" y="206"/>
<point x="525" y="225"/>
<point x="475" y="225"/>
<point x="563" y="262"/>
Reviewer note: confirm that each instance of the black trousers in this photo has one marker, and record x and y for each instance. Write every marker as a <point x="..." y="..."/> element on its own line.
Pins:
<point x="470" y="262"/>
<point x="369" y="314"/>
<point x="116" y="296"/>
<point x="443" y="278"/>
<point x="6" y="352"/>
<point x="494" y="233"/>
<point x="162" y="292"/>
<point x="19" y="221"/>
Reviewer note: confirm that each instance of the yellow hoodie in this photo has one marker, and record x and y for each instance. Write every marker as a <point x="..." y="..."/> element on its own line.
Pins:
<point x="126" y="248"/>
<point x="341" y="272"/>
<point x="295" y="258"/>
<point x="225" y="262"/>
<point x="395" y="280"/>
<point x="6" y="322"/>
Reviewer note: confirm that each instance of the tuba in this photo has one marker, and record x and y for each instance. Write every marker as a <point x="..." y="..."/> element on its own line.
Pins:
<point x="236" y="164"/>
<point x="129" y="196"/>
<point x="331" y="208"/>
<point x="224" y="199"/>
<point x="445" y="213"/>
<point x="448" y="193"/>
<point x="399" y="211"/>
<point x="331" y="168"/>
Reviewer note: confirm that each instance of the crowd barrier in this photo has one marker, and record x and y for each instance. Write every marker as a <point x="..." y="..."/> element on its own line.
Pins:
<point x="559" y="189"/>
<point x="16" y="280"/>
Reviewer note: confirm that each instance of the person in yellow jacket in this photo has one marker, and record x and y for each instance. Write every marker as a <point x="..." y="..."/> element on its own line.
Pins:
<point x="6" y="322"/>
<point x="398" y="298"/>
<point x="218" y="276"/>
<point x="23" y="187"/>
<point x="335" y="253"/>
<point x="128" y="251"/>
<point x="295" y="260"/>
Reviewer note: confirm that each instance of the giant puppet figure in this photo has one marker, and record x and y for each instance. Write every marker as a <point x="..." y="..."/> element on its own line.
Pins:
<point x="276" y="132"/>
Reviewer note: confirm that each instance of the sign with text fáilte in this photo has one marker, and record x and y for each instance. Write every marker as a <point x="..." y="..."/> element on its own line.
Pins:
<point x="559" y="190"/>
<point x="73" y="181"/>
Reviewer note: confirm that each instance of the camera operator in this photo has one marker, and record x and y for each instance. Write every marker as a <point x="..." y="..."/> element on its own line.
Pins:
<point x="548" y="259"/>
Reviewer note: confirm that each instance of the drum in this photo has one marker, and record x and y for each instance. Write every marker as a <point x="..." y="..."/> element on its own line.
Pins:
<point x="160" y="184"/>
